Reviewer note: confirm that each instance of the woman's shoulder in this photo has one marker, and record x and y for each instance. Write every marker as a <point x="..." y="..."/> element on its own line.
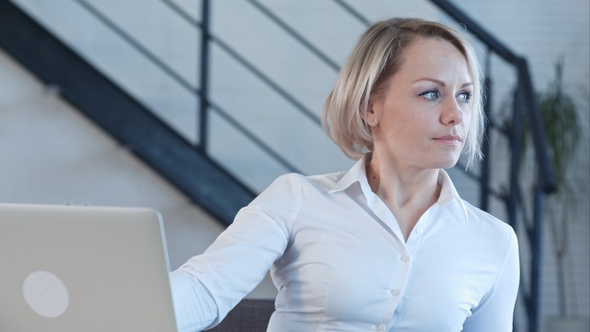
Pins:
<point x="487" y="222"/>
<point x="488" y="235"/>
<point x="321" y="182"/>
<point x="295" y="187"/>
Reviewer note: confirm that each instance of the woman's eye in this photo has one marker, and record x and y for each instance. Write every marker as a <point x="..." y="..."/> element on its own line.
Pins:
<point x="464" y="96"/>
<point x="430" y="94"/>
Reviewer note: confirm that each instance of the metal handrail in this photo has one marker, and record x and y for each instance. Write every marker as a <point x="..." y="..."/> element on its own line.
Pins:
<point x="251" y="67"/>
<point x="140" y="48"/>
<point x="353" y="12"/>
<point x="187" y="86"/>
<point x="268" y="13"/>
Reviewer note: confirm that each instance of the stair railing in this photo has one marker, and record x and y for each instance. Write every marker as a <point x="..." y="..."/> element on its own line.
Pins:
<point x="525" y="104"/>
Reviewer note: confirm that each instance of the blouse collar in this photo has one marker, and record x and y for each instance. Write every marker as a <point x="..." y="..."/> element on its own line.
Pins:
<point x="358" y="174"/>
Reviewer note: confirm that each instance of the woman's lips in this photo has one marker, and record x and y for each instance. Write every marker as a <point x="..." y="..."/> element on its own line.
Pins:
<point x="449" y="139"/>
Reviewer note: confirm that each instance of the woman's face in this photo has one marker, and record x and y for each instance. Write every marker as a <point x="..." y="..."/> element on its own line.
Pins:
<point x="422" y="118"/>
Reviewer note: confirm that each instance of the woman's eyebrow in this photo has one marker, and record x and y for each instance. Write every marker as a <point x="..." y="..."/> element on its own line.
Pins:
<point x="441" y="83"/>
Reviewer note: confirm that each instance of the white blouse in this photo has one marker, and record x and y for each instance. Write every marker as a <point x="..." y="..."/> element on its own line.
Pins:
<point x="340" y="263"/>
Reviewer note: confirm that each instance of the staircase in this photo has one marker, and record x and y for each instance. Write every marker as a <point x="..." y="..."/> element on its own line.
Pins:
<point x="227" y="139"/>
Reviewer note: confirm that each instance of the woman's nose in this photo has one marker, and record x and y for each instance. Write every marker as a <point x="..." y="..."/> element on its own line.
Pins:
<point x="452" y="114"/>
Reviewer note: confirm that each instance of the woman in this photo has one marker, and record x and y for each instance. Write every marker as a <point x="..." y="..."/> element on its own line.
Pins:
<point x="388" y="245"/>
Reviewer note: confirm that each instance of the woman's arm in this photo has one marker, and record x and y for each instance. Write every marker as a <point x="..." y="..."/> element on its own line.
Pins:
<point x="496" y="310"/>
<point x="194" y="306"/>
<point x="208" y="286"/>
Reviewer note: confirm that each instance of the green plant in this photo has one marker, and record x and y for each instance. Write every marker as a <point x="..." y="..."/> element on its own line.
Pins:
<point x="562" y="128"/>
<point x="561" y="123"/>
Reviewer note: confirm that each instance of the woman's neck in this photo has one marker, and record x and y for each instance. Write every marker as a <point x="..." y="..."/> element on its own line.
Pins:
<point x="407" y="191"/>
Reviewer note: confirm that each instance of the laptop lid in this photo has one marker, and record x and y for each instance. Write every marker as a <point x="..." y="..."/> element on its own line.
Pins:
<point x="72" y="268"/>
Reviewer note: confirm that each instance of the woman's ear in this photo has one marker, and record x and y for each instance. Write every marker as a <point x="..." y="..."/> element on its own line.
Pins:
<point x="370" y="116"/>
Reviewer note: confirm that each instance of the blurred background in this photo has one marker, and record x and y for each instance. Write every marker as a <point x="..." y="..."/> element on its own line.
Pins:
<point x="193" y="107"/>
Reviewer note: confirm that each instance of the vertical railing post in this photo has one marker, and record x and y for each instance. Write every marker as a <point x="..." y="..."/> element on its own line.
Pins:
<point x="515" y="142"/>
<point x="486" y="143"/>
<point x="512" y="199"/>
<point x="204" y="77"/>
<point x="536" y="253"/>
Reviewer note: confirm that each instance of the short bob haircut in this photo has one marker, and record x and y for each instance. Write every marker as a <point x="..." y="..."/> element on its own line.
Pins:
<point x="378" y="56"/>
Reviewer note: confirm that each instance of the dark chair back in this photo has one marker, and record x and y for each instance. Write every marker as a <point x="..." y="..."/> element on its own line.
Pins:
<point x="250" y="315"/>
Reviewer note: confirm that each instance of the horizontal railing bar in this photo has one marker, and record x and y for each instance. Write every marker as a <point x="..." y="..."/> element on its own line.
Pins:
<point x="331" y="63"/>
<point x="159" y="63"/>
<point x="475" y="29"/>
<point x="185" y="84"/>
<point x="258" y="73"/>
<point x="253" y="138"/>
<point x="353" y="12"/>
<point x="178" y="10"/>
<point x="309" y="114"/>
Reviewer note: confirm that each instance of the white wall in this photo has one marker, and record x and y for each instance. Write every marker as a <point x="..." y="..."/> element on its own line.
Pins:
<point x="51" y="154"/>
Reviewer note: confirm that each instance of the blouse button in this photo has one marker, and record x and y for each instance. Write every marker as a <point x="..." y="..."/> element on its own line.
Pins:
<point x="395" y="292"/>
<point x="381" y="328"/>
<point x="405" y="258"/>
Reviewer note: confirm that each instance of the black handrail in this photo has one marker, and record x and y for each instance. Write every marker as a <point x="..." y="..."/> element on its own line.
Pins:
<point x="185" y="84"/>
<point x="115" y="111"/>
<point x="248" y="65"/>
<point x="293" y="33"/>
<point x="276" y="156"/>
<point x="140" y="48"/>
<point x="353" y="12"/>
<point x="478" y="31"/>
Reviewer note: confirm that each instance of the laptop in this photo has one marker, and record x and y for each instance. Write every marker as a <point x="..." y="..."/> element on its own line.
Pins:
<point x="77" y="268"/>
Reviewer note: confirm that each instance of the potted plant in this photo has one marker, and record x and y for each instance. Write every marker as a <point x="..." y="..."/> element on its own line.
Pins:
<point x="561" y="124"/>
<point x="563" y="131"/>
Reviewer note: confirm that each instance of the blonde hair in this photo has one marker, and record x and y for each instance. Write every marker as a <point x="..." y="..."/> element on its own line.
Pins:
<point x="377" y="57"/>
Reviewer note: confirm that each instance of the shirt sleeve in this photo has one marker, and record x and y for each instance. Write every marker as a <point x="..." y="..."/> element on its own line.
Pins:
<point x="496" y="310"/>
<point x="194" y="307"/>
<point x="208" y="286"/>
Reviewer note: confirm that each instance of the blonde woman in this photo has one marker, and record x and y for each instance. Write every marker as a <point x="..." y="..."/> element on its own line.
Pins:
<point x="388" y="245"/>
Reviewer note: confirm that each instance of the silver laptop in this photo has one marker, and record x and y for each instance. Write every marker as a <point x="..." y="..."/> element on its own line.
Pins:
<point x="67" y="268"/>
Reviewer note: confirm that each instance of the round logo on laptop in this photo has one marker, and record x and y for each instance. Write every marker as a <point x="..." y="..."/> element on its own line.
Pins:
<point x="46" y="294"/>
